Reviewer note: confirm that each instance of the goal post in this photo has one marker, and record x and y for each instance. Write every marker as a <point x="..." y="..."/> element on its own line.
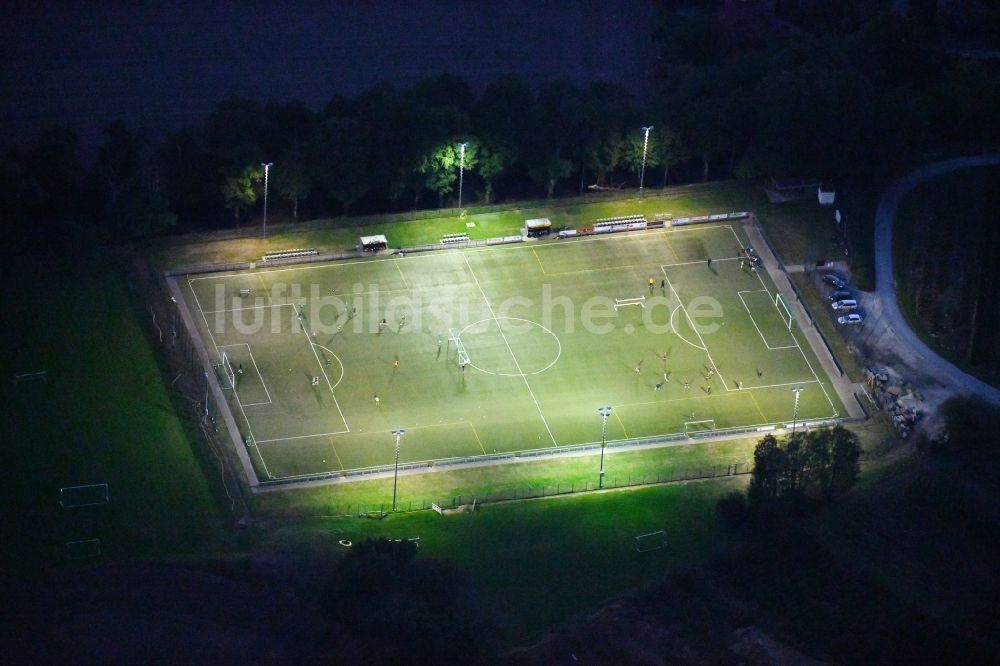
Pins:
<point x="652" y="541"/>
<point x="91" y="494"/>
<point x="784" y="310"/>
<point x="227" y="377"/>
<point x="463" y="356"/>
<point x="695" y="428"/>
<point x="624" y="302"/>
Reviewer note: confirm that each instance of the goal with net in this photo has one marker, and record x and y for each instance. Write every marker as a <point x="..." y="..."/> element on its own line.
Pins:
<point x="227" y="377"/>
<point x="624" y="302"/>
<point x="784" y="310"/>
<point x="696" y="428"/>
<point x="463" y="356"/>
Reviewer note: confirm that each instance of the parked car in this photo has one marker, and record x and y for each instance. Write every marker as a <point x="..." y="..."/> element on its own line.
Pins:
<point x="840" y="294"/>
<point x="851" y="319"/>
<point x="845" y="304"/>
<point x="835" y="280"/>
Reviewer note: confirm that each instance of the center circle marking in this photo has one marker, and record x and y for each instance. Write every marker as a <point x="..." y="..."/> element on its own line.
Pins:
<point x="527" y="321"/>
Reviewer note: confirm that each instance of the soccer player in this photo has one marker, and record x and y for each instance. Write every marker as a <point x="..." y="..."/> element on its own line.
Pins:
<point x="395" y="363"/>
<point x="651" y="283"/>
<point x="377" y="400"/>
<point x="710" y="262"/>
<point x="658" y="386"/>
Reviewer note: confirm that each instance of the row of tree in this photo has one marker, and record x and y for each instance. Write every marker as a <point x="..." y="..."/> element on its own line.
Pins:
<point x="819" y="464"/>
<point x="737" y="92"/>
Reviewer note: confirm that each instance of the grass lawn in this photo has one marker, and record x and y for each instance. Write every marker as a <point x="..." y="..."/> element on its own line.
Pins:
<point x="418" y="490"/>
<point x="543" y="562"/>
<point x="545" y="347"/>
<point x="102" y="416"/>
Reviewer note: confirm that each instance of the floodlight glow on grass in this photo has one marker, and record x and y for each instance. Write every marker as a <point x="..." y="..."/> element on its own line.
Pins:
<point x="267" y="168"/>
<point x="645" y="144"/>
<point x="605" y="412"/>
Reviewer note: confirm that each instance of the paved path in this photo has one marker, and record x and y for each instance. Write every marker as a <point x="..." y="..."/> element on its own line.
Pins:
<point x="920" y="355"/>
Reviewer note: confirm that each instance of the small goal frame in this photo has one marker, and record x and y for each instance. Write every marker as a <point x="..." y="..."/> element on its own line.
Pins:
<point x="691" y="431"/>
<point x="624" y="302"/>
<point x="645" y="543"/>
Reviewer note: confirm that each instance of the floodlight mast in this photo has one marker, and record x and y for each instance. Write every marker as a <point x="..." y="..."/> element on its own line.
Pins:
<point x="645" y="145"/>
<point x="395" y="475"/>
<point x="267" y="168"/>
<point x="795" y="408"/>
<point x="605" y="412"/>
<point x="461" y="170"/>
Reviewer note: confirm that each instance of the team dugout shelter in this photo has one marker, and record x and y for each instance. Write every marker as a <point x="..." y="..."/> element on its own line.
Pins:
<point x="373" y="243"/>
<point x="538" y="227"/>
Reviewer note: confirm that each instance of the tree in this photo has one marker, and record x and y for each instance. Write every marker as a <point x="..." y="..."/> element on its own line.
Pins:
<point x="292" y="181"/>
<point x="492" y="162"/>
<point x="240" y="191"/>
<point x="427" y="611"/>
<point x="339" y="160"/>
<point x="547" y="169"/>
<point x="440" y="167"/>
<point x="556" y="134"/>
<point x="139" y="211"/>
<point x="119" y="159"/>
<point x="668" y="149"/>
<point x="844" y="454"/>
<point x="769" y="467"/>
<point x="505" y="115"/>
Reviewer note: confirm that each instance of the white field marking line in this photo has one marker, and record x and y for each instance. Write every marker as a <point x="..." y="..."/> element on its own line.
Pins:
<point x="833" y="408"/>
<point x="319" y="364"/>
<point x="346" y="435"/>
<point x="235" y="395"/>
<point x="318" y="434"/>
<point x="700" y="261"/>
<point x="248" y="307"/>
<point x="337" y="383"/>
<point x="511" y="374"/>
<point x="256" y="369"/>
<point x="754" y="321"/>
<point x="674" y="329"/>
<point x="204" y="319"/>
<point x="697" y="227"/>
<point x="694" y="328"/>
<point x="767" y="386"/>
<point x="513" y="357"/>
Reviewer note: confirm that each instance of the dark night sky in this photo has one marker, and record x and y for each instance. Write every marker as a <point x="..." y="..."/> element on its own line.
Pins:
<point x="160" y="65"/>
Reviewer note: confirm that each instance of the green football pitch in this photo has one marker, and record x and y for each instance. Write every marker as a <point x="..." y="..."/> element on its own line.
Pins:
<point x="494" y="350"/>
